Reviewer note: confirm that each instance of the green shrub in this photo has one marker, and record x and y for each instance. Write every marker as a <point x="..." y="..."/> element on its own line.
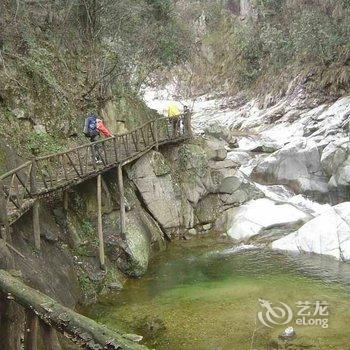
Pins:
<point x="40" y="143"/>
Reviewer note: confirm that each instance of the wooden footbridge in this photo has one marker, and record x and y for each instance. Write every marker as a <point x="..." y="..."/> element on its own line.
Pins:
<point x="21" y="190"/>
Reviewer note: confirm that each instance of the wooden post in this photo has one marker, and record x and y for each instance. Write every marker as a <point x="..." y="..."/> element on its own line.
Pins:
<point x="36" y="218"/>
<point x="3" y="232"/>
<point x="65" y="200"/>
<point x="49" y="337"/>
<point x="122" y="202"/>
<point x="36" y="225"/>
<point x="155" y="134"/>
<point x="4" y="222"/>
<point x="187" y="124"/>
<point x="31" y="331"/>
<point x="5" y="322"/>
<point x="99" y="222"/>
<point x="115" y="147"/>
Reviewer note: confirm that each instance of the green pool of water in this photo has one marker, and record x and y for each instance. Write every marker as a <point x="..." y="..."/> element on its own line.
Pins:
<point x="204" y="295"/>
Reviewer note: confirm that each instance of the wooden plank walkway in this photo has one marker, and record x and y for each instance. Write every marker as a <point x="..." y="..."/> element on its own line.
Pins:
<point x="21" y="187"/>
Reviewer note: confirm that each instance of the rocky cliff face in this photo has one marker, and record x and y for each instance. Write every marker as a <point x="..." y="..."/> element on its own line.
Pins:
<point x="296" y="143"/>
<point x="292" y="149"/>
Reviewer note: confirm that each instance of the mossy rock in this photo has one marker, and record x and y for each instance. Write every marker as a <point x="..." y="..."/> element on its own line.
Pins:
<point x="208" y="209"/>
<point x="193" y="157"/>
<point x="160" y="164"/>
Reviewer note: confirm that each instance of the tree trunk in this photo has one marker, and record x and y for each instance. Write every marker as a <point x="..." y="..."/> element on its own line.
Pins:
<point x="79" y="329"/>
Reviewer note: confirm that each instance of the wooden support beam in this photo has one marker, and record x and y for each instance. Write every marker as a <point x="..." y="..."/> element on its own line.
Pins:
<point x="65" y="200"/>
<point x="80" y="329"/>
<point x="31" y="331"/>
<point x="4" y="221"/>
<point x="36" y="225"/>
<point x="121" y="200"/>
<point x="4" y="232"/>
<point x="36" y="218"/>
<point x="49" y="337"/>
<point x="99" y="222"/>
<point x="5" y="322"/>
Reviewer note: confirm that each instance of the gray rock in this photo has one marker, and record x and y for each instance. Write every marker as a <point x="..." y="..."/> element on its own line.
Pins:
<point x="236" y="190"/>
<point x="50" y="236"/>
<point x="115" y="286"/>
<point x="261" y="145"/>
<point x="207" y="227"/>
<point x="208" y="209"/>
<point x="19" y="113"/>
<point x="133" y="337"/>
<point x="142" y="234"/>
<point x="297" y="166"/>
<point x="230" y="184"/>
<point x="216" y="149"/>
<point x="39" y="128"/>
<point x="192" y="231"/>
<point x="264" y="218"/>
<point x="336" y="164"/>
<point x="237" y="198"/>
<point x="239" y="157"/>
<point x="158" y="192"/>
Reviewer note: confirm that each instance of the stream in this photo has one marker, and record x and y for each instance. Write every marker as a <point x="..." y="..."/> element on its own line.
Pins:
<point x="206" y="294"/>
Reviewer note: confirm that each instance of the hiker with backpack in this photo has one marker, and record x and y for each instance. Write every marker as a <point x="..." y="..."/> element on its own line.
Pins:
<point x="93" y="129"/>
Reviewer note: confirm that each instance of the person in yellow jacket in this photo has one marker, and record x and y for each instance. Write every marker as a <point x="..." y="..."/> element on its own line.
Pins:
<point x="174" y="114"/>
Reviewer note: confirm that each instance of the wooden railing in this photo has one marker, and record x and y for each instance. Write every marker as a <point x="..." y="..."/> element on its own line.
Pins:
<point x="21" y="186"/>
<point x="46" y="316"/>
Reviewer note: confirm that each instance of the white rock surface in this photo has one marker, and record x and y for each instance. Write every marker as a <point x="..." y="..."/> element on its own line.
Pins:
<point x="296" y="165"/>
<point x="258" y="215"/>
<point x="327" y="234"/>
<point x="313" y="156"/>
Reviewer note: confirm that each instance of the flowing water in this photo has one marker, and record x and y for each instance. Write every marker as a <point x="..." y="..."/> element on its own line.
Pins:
<point x="203" y="294"/>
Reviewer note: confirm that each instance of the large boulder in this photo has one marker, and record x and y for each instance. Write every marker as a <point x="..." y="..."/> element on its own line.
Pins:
<point x="200" y="173"/>
<point x="152" y="177"/>
<point x="232" y="192"/>
<point x="263" y="217"/>
<point x="297" y="165"/>
<point x="336" y="164"/>
<point x="143" y="238"/>
<point x="239" y="157"/>
<point x="208" y="209"/>
<point x="237" y="190"/>
<point x="327" y="234"/>
<point x="216" y="148"/>
<point x="258" y="144"/>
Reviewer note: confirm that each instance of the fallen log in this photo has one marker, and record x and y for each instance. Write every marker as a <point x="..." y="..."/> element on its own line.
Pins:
<point x="80" y="329"/>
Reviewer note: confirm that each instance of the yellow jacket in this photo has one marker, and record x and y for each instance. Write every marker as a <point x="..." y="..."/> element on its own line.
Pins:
<point x="173" y="111"/>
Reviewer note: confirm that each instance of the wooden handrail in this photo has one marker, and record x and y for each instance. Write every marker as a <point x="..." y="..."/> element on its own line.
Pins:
<point x="16" y="170"/>
<point x="100" y="141"/>
<point x="67" y="168"/>
<point x="85" y="145"/>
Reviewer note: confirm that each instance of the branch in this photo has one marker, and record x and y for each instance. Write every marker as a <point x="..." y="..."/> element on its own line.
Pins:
<point x="78" y="328"/>
<point x="99" y="80"/>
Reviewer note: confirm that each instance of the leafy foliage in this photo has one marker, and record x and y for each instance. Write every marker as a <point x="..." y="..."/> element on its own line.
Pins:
<point x="60" y="59"/>
<point x="281" y="37"/>
<point x="42" y="143"/>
